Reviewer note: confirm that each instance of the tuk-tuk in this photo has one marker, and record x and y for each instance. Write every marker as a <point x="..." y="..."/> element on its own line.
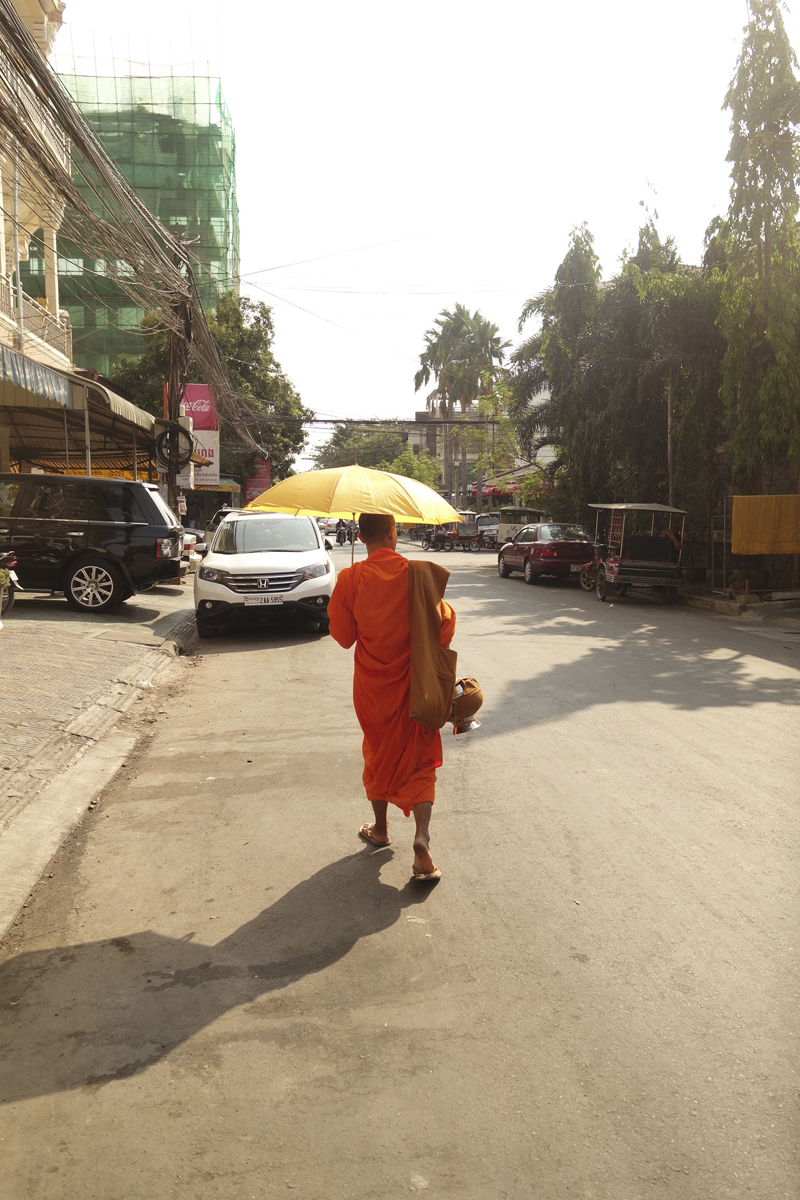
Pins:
<point x="514" y="519"/>
<point x="631" y="557"/>
<point x="455" y="533"/>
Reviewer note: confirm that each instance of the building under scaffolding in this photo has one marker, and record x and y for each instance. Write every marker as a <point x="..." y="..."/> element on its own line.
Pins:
<point x="171" y="136"/>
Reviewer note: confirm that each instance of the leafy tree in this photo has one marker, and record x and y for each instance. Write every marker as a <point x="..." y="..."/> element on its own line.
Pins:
<point x="495" y="442"/>
<point x="551" y="491"/>
<point x="244" y="332"/>
<point x="622" y="380"/>
<point x="368" y="446"/>
<point x="764" y="100"/>
<point x="760" y="316"/>
<point x="415" y="466"/>
<point x="550" y="402"/>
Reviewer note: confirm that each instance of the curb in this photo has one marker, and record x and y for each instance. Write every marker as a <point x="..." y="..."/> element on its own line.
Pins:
<point x="729" y="607"/>
<point x="180" y="637"/>
<point x="39" y="832"/>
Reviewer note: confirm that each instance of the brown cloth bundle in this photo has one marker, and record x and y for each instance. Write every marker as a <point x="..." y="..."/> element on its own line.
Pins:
<point x="766" y="525"/>
<point x="433" y="667"/>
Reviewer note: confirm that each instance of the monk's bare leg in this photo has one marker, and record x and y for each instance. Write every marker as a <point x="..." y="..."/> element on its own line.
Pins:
<point x="423" y="863"/>
<point x="379" y="832"/>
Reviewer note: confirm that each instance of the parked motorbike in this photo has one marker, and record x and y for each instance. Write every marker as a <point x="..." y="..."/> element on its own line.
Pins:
<point x="9" y="584"/>
<point x="343" y="535"/>
<point x="438" y="540"/>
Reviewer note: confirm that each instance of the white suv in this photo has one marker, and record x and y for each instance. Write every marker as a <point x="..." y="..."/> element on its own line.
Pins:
<point x="263" y="565"/>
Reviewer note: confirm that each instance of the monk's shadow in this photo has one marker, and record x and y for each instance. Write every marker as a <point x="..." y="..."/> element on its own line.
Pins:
<point x="89" y="1014"/>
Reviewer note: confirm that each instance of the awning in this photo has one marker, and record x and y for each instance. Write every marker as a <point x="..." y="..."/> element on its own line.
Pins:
<point x="23" y="372"/>
<point x="43" y="432"/>
<point x="224" y="485"/>
<point x="124" y="408"/>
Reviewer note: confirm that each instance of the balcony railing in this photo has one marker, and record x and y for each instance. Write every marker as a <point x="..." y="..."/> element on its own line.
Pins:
<point x="25" y="99"/>
<point x="36" y="320"/>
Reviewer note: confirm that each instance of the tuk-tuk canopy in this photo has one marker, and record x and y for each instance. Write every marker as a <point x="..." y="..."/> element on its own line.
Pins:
<point x="663" y="508"/>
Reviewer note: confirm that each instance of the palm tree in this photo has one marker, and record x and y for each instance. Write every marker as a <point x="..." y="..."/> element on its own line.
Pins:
<point x="462" y="353"/>
<point x="481" y="355"/>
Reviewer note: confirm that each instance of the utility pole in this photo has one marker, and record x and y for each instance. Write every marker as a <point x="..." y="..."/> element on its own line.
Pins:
<point x="176" y="382"/>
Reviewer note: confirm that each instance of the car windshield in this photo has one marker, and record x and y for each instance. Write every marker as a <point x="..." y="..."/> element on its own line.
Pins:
<point x="281" y="535"/>
<point x="563" y="533"/>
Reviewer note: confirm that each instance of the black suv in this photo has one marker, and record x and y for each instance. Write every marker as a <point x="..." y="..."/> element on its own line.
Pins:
<point x="97" y="540"/>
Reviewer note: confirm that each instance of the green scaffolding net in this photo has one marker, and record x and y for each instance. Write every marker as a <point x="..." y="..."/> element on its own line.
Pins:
<point x="173" y="139"/>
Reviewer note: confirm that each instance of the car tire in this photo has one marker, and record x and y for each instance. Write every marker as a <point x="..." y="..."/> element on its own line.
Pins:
<point x="93" y="585"/>
<point x="447" y="545"/>
<point x="502" y="570"/>
<point x="324" y="627"/>
<point x="587" y="580"/>
<point x="530" y="575"/>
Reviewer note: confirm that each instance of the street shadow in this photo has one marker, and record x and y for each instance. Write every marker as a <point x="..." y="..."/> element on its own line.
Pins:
<point x="636" y="650"/>
<point x="50" y="608"/>
<point x="237" y="638"/>
<point x="85" y="1015"/>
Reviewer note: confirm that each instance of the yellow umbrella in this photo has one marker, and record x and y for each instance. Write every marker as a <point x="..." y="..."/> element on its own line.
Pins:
<point x="350" y="491"/>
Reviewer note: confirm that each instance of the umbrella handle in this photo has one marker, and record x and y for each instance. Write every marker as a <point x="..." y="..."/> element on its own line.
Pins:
<point x="353" y="541"/>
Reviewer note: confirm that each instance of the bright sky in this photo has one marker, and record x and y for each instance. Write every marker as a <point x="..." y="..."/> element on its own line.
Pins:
<point x="438" y="151"/>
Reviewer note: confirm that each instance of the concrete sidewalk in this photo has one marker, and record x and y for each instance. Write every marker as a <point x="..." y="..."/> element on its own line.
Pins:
<point x="65" y="681"/>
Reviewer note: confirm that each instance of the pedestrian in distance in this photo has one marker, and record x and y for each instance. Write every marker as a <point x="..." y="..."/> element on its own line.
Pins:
<point x="372" y="607"/>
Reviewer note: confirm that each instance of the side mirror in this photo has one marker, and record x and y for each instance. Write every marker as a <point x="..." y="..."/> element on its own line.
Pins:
<point x="202" y="549"/>
<point x="328" y="545"/>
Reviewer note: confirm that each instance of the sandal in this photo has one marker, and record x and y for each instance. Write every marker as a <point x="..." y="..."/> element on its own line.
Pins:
<point x="364" y="833"/>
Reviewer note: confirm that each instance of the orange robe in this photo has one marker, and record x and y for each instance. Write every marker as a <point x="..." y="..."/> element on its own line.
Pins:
<point x="370" y="606"/>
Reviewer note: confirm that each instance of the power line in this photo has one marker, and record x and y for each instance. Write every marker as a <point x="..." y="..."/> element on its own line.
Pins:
<point x="336" y="254"/>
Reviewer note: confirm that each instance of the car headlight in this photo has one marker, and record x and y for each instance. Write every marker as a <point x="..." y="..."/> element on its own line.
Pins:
<point x="317" y="570"/>
<point x="211" y="575"/>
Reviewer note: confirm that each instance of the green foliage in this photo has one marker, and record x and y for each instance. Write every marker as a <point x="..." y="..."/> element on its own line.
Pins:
<point x="636" y="383"/>
<point x="764" y="100"/>
<point x="495" y="442"/>
<point x="415" y="466"/>
<point x="759" y="314"/>
<point x="595" y="381"/>
<point x="367" y="446"/>
<point x="244" y="333"/>
<point x="550" y="491"/>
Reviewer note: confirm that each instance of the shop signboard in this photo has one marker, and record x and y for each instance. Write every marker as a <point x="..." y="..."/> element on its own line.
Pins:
<point x="258" y="482"/>
<point x="206" y="442"/>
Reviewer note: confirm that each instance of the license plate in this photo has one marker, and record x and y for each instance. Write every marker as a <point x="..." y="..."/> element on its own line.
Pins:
<point x="263" y="600"/>
<point x="575" y="566"/>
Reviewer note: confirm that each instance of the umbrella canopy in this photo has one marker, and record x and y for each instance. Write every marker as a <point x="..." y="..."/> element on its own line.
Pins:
<point x="349" y="491"/>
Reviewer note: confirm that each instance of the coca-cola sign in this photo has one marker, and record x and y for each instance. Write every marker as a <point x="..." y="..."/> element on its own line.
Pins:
<point x="201" y="406"/>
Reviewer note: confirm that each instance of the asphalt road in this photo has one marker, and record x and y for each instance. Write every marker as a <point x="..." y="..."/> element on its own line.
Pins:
<point x="222" y="994"/>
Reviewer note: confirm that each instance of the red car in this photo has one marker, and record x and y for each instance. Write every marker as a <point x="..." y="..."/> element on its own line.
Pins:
<point x="558" y="549"/>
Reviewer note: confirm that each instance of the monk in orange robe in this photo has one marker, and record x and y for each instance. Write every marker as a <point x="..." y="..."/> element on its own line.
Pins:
<point x="370" y="606"/>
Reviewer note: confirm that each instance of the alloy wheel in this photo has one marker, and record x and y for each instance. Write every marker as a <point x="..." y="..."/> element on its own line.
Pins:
<point x="92" y="586"/>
